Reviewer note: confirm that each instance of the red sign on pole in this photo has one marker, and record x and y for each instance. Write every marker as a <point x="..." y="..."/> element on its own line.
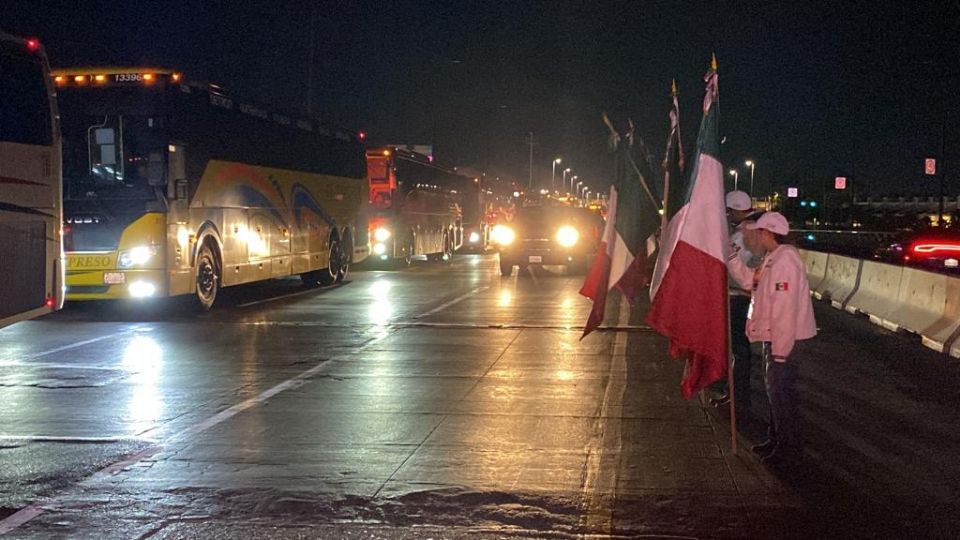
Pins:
<point x="840" y="182"/>
<point x="930" y="167"/>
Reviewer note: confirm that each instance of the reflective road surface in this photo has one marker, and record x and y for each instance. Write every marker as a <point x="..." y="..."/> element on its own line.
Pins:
<point x="444" y="401"/>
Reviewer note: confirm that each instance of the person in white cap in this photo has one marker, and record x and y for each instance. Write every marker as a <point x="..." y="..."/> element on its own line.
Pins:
<point x="781" y="317"/>
<point x="739" y="211"/>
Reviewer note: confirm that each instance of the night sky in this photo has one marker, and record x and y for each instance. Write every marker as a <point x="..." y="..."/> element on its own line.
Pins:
<point x="808" y="89"/>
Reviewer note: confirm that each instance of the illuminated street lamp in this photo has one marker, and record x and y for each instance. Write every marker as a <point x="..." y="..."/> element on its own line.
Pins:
<point x="751" y="164"/>
<point x="736" y="178"/>
<point x="564" y="179"/>
<point x="571" y="183"/>
<point x="553" y="174"/>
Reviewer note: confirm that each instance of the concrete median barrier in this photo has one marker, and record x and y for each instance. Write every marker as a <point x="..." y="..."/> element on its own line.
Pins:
<point x="927" y="304"/>
<point x="816" y="265"/>
<point x="879" y="287"/>
<point x="840" y="280"/>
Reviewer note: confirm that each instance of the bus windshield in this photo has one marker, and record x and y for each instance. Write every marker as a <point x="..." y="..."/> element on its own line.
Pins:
<point x="110" y="154"/>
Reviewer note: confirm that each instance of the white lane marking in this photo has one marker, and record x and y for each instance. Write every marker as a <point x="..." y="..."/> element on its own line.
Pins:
<point x="80" y="344"/>
<point x="58" y="439"/>
<point x="28" y="513"/>
<point x="456" y="300"/>
<point x="13" y="521"/>
<point x="597" y="516"/>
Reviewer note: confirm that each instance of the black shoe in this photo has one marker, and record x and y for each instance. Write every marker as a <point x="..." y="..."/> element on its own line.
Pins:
<point x="764" y="449"/>
<point x="720" y="401"/>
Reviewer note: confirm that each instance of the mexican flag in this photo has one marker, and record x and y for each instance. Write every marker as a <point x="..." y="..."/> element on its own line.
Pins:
<point x="629" y="237"/>
<point x="689" y="286"/>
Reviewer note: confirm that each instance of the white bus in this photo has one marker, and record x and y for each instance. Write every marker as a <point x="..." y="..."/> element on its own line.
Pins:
<point x="31" y="190"/>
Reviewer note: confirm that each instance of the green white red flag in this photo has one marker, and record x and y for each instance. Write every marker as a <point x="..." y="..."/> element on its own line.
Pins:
<point x="689" y="286"/>
<point x="624" y="260"/>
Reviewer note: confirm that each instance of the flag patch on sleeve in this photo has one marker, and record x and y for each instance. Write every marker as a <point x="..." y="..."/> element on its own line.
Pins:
<point x="783" y="286"/>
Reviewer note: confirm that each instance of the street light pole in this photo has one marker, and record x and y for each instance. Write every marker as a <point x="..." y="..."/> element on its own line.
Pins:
<point x="572" y="178"/>
<point x="553" y="174"/>
<point x="751" y="164"/>
<point x="736" y="178"/>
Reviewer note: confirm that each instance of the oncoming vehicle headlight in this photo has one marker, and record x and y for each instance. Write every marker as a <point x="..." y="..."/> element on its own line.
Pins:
<point x="503" y="235"/>
<point x="567" y="236"/>
<point x="474" y="237"/>
<point x="137" y="256"/>
<point x="382" y="234"/>
<point x="379" y="249"/>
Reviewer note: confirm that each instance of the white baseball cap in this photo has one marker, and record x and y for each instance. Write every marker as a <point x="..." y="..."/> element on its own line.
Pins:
<point x="771" y="221"/>
<point x="739" y="200"/>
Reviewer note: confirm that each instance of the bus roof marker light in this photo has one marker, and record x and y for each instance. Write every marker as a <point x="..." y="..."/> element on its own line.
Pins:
<point x="148" y="77"/>
<point x="59" y="79"/>
<point x="79" y="79"/>
<point x="100" y="78"/>
<point x="33" y="44"/>
<point x="175" y="77"/>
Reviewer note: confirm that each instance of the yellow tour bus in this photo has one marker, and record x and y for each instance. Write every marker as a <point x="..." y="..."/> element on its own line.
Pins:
<point x="173" y="187"/>
<point x="31" y="256"/>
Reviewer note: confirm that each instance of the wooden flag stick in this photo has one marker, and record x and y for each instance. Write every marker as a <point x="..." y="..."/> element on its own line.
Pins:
<point x="731" y="388"/>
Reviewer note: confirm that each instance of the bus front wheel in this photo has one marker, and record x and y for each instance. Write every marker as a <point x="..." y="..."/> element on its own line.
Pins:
<point x="208" y="278"/>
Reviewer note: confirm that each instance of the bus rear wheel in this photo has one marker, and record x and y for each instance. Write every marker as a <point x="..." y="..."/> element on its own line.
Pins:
<point x="346" y="257"/>
<point x="329" y="275"/>
<point x="208" y="278"/>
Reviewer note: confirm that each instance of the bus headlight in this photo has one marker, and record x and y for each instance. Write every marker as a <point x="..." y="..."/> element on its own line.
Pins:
<point x="379" y="249"/>
<point x="137" y="256"/>
<point x="503" y="235"/>
<point x="567" y="236"/>
<point x="382" y="234"/>
<point x="474" y="237"/>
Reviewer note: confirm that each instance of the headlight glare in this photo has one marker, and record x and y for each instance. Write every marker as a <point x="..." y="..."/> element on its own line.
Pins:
<point x="567" y="236"/>
<point x="382" y="234"/>
<point x="503" y="235"/>
<point x="137" y="256"/>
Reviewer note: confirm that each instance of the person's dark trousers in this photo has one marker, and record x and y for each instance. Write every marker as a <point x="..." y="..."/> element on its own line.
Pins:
<point x="739" y="306"/>
<point x="781" y="382"/>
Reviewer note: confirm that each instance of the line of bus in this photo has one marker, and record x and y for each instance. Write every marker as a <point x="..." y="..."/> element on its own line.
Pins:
<point x="31" y="256"/>
<point x="416" y="206"/>
<point x="174" y="187"/>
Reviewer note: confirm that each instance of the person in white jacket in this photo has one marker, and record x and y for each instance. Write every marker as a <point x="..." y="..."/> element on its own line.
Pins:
<point x="780" y="318"/>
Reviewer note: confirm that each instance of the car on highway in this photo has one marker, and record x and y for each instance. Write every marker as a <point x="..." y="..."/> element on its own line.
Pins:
<point x="931" y="248"/>
<point x="547" y="234"/>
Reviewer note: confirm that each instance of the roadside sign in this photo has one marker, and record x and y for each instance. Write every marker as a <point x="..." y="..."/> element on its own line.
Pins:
<point x="840" y="182"/>
<point x="792" y="192"/>
<point x="930" y="166"/>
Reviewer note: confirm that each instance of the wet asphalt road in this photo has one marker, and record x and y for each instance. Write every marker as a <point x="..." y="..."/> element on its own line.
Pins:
<point x="444" y="401"/>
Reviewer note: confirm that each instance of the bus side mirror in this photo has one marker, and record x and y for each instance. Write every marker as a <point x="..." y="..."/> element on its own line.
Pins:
<point x="155" y="176"/>
<point x="181" y="188"/>
<point x="177" y="172"/>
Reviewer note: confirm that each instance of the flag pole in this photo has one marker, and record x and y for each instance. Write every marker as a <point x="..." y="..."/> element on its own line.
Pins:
<point x="731" y="387"/>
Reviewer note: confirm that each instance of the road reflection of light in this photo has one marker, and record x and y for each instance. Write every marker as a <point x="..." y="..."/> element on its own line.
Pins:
<point x="380" y="312"/>
<point x="505" y="299"/>
<point x="564" y="375"/>
<point x="566" y="304"/>
<point x="143" y="360"/>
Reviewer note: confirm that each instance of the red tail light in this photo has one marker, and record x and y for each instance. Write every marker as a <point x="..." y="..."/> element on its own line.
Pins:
<point x="33" y="44"/>
<point x="50" y="302"/>
<point x="922" y="249"/>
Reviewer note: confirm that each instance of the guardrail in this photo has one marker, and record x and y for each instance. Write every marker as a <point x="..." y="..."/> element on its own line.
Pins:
<point x="898" y="298"/>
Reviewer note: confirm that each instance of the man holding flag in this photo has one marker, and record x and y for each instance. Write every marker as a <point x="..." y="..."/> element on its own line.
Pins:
<point x="689" y="287"/>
